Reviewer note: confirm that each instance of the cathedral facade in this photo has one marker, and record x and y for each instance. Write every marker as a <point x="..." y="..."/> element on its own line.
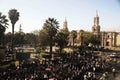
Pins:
<point x="108" y="39"/>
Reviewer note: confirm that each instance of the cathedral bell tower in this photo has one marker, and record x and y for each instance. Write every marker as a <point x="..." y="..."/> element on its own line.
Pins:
<point x="65" y="26"/>
<point x="96" y="26"/>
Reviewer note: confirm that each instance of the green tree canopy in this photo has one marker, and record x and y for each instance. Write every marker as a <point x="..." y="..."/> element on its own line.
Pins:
<point x="30" y="38"/>
<point x="13" y="16"/>
<point x="19" y="38"/>
<point x="8" y="38"/>
<point x="3" y="26"/>
<point x="51" y="27"/>
<point x="43" y="38"/>
<point x="92" y="39"/>
<point x="61" y="40"/>
<point x="3" y="20"/>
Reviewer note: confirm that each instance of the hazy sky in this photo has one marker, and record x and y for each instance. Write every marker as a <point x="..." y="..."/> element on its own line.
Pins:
<point x="79" y="13"/>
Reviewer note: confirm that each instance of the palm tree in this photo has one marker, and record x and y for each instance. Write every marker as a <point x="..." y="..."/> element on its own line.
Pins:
<point x="14" y="17"/>
<point x="51" y="28"/>
<point x="3" y="25"/>
<point x="3" y="20"/>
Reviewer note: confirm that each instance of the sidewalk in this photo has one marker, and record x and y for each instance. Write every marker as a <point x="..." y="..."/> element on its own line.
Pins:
<point x="117" y="77"/>
<point x="114" y="78"/>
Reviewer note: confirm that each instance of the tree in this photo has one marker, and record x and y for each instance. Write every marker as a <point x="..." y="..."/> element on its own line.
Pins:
<point x="14" y="17"/>
<point x="92" y="40"/>
<point x="61" y="40"/>
<point x="74" y="35"/>
<point x="8" y="39"/>
<point x="3" y="20"/>
<point x="51" y="28"/>
<point x="19" y="38"/>
<point x="43" y="38"/>
<point x="36" y="34"/>
<point x="3" y="26"/>
<point x="30" y="38"/>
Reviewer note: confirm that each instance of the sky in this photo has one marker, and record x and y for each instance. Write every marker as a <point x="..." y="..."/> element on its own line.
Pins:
<point x="79" y="13"/>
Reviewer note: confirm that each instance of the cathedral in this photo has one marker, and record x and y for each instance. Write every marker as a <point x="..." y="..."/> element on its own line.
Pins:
<point x="108" y="39"/>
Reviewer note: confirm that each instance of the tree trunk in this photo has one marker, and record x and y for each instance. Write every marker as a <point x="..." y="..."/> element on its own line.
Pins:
<point x="12" y="39"/>
<point x="73" y="42"/>
<point x="51" y="46"/>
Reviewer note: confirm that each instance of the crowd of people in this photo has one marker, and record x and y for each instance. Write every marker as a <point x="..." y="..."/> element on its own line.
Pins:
<point x="75" y="66"/>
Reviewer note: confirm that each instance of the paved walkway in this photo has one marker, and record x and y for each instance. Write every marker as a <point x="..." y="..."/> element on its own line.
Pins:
<point x="117" y="77"/>
<point x="114" y="78"/>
